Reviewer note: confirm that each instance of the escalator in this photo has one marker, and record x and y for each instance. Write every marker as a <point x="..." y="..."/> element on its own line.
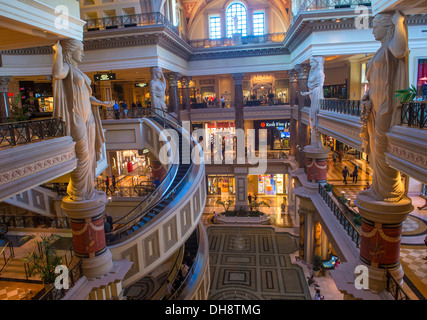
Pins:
<point x="131" y="222"/>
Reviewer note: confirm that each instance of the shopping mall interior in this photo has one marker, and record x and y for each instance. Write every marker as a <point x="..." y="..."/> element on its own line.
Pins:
<point x="213" y="150"/>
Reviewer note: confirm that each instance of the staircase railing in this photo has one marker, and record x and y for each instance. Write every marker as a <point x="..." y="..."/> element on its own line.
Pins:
<point x="3" y="254"/>
<point x="341" y="216"/>
<point x="395" y="289"/>
<point x="141" y="211"/>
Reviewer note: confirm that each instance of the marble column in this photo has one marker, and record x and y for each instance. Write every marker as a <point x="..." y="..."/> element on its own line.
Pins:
<point x="316" y="163"/>
<point x="4" y="106"/>
<point x="241" y="186"/>
<point x="173" y="79"/>
<point x="381" y="233"/>
<point x="324" y="244"/>
<point x="293" y="97"/>
<point x="87" y="225"/>
<point x="303" y="101"/>
<point x="238" y="99"/>
<point x="185" y="81"/>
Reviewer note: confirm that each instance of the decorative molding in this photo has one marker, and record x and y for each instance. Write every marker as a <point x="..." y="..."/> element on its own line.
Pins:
<point x="243" y="53"/>
<point x="9" y="176"/>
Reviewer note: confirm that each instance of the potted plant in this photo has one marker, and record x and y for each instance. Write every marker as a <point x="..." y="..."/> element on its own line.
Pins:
<point x="317" y="265"/>
<point x="406" y="95"/>
<point x="226" y="204"/>
<point x="328" y="187"/>
<point x="43" y="259"/>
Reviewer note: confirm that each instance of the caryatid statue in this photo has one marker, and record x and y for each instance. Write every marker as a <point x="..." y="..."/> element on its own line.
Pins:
<point x="316" y="79"/>
<point x="74" y="103"/>
<point x="158" y="91"/>
<point x="387" y="72"/>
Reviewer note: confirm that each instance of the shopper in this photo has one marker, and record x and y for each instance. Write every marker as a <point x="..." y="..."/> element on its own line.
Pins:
<point x="250" y="199"/>
<point x="116" y="110"/>
<point x="107" y="184"/>
<point x="222" y="102"/>
<point x="125" y="108"/>
<point x="345" y="174"/>
<point x="113" y="182"/>
<point x="355" y="174"/>
<point x="334" y="157"/>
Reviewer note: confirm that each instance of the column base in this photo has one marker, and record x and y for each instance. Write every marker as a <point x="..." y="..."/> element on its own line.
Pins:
<point x="316" y="163"/>
<point x="380" y="238"/>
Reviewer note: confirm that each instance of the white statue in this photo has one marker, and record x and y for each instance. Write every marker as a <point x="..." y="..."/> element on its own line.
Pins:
<point x="158" y="91"/>
<point x="316" y="79"/>
<point x="74" y="103"/>
<point x="387" y="72"/>
<point x="236" y="23"/>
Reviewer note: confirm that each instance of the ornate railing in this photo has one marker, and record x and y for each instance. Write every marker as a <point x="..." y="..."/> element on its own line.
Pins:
<point x="74" y="274"/>
<point x="15" y="133"/>
<point x="341" y="216"/>
<point x="414" y="114"/>
<point x="311" y="5"/>
<point x="132" y="113"/>
<point x="34" y="221"/>
<point x="133" y="20"/>
<point x="350" y="107"/>
<point x="250" y="39"/>
<point x="395" y="289"/>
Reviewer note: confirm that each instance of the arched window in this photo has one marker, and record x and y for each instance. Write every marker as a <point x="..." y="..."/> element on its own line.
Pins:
<point x="236" y="17"/>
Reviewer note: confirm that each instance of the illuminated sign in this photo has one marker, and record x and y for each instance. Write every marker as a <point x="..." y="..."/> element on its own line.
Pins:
<point x="140" y="85"/>
<point x="104" y="76"/>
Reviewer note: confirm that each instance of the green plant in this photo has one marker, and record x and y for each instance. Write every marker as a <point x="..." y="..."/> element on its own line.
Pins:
<point x="406" y="95"/>
<point x="357" y="220"/>
<point x="317" y="263"/>
<point x="43" y="259"/>
<point x="226" y="204"/>
<point x="17" y="113"/>
<point x="254" y="206"/>
<point x="328" y="187"/>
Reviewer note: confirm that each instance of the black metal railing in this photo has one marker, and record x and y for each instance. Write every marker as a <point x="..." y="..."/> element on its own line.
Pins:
<point x="133" y="20"/>
<point x="34" y="221"/>
<point x="414" y="114"/>
<point x="341" y="216"/>
<point x="395" y="289"/>
<point x="15" y="133"/>
<point x="132" y="113"/>
<point x="249" y="39"/>
<point x="74" y="274"/>
<point x="350" y="107"/>
<point x="310" y="5"/>
<point x="6" y="253"/>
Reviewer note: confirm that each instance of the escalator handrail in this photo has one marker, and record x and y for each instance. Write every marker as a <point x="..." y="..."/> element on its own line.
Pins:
<point x="123" y="228"/>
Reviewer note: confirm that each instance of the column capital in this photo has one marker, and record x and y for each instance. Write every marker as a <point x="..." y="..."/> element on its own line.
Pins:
<point x="185" y="81"/>
<point x="303" y="71"/>
<point x="293" y="75"/>
<point x="4" y="81"/>
<point x="173" y="78"/>
<point x="238" y="77"/>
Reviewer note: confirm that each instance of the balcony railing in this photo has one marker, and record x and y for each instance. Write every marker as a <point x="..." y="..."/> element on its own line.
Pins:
<point x="133" y="20"/>
<point x="350" y="107"/>
<point x="414" y="114"/>
<point x="14" y="133"/>
<point x="250" y="39"/>
<point x="34" y="221"/>
<point x="311" y="5"/>
<point x="341" y="216"/>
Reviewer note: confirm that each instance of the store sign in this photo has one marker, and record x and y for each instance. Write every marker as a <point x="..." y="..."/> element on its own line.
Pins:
<point x="272" y="124"/>
<point x="140" y="85"/>
<point x="104" y="76"/>
<point x="262" y="78"/>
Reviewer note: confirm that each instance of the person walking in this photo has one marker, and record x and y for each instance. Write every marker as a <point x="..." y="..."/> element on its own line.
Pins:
<point x="345" y="174"/>
<point x="355" y="174"/>
<point x="334" y="157"/>
<point x="116" y="110"/>
<point x="222" y="102"/>
<point x="113" y="182"/>
<point x="250" y="199"/>
<point x="107" y="184"/>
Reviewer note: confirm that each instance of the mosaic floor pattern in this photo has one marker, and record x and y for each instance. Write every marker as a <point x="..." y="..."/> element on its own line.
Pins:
<point x="254" y="263"/>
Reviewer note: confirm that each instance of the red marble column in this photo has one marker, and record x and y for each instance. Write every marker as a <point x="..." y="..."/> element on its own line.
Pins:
<point x="316" y="169"/>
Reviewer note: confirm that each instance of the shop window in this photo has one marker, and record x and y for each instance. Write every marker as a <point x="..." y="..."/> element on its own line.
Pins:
<point x="214" y="28"/>
<point x="258" y="21"/>
<point x="422" y="77"/>
<point x="236" y="17"/>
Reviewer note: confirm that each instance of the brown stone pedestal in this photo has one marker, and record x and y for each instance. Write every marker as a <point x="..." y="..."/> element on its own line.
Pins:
<point x="380" y="238"/>
<point x="87" y="225"/>
<point x="316" y="163"/>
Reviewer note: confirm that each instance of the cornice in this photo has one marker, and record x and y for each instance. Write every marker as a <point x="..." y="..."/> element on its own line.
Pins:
<point x="252" y="52"/>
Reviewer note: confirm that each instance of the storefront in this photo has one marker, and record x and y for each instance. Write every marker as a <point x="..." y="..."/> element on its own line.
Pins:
<point x="268" y="184"/>
<point x="130" y="162"/>
<point x="278" y="134"/>
<point x="36" y="97"/>
<point x="422" y="78"/>
<point x="221" y="185"/>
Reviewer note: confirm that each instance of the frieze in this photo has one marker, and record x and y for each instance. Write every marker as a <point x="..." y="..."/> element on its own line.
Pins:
<point x="27" y="170"/>
<point x="408" y="155"/>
